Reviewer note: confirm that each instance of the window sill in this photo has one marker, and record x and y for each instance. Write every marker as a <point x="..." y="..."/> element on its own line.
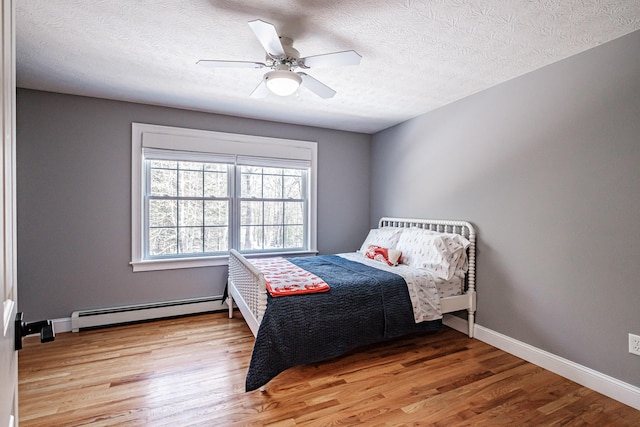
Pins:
<point x="196" y="262"/>
<point x="172" y="264"/>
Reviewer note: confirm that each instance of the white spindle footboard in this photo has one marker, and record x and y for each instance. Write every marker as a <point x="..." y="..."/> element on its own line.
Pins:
<point x="247" y="288"/>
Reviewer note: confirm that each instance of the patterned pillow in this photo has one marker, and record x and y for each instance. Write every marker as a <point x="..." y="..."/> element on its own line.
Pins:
<point x="388" y="256"/>
<point x="385" y="237"/>
<point x="443" y="253"/>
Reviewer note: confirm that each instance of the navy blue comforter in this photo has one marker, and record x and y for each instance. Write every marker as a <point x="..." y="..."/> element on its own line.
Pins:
<point x="365" y="305"/>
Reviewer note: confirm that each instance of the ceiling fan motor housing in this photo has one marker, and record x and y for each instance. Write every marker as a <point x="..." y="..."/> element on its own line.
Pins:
<point x="290" y="59"/>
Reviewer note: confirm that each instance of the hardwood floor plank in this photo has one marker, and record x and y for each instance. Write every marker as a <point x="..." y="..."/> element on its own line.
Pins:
<point x="191" y="372"/>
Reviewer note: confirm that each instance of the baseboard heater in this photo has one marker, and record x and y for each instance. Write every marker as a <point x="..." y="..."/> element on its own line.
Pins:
<point x="139" y="312"/>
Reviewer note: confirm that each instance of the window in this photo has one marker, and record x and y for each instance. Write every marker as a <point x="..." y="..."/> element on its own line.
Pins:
<point x="187" y="207"/>
<point x="272" y="208"/>
<point x="196" y="194"/>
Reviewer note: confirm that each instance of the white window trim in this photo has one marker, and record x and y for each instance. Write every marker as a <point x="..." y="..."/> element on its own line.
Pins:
<point x="174" y="138"/>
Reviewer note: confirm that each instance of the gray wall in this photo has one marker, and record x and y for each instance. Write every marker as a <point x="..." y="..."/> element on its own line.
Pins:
<point x="547" y="166"/>
<point x="74" y="201"/>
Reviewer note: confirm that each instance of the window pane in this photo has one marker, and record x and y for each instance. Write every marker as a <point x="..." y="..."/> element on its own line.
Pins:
<point x="250" y="237"/>
<point x="192" y="166"/>
<point x="190" y="240"/>
<point x="164" y="182"/>
<point x="190" y="184"/>
<point x="162" y="241"/>
<point x="272" y="187"/>
<point x="163" y="164"/>
<point x="190" y="213"/>
<point x="292" y="187"/>
<point x="216" y="239"/>
<point x="251" y="186"/>
<point x="251" y="213"/>
<point x="273" y="238"/>
<point x="216" y="184"/>
<point x="251" y="169"/>
<point x="273" y="213"/>
<point x="294" y="213"/>
<point x="162" y="213"/>
<point x="216" y="212"/>
<point x="272" y="171"/>
<point x="216" y="167"/>
<point x="293" y="236"/>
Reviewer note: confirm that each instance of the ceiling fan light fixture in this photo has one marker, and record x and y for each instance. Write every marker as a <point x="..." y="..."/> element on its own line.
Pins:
<point x="282" y="82"/>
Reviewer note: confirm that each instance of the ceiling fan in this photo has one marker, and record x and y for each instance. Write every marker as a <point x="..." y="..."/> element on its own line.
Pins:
<point x="283" y="59"/>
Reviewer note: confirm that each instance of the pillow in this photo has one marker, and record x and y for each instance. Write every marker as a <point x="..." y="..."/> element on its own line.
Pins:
<point x="385" y="237"/>
<point x="388" y="256"/>
<point x="444" y="253"/>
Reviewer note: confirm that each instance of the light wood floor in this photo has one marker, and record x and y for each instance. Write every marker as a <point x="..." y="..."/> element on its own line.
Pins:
<point x="190" y="372"/>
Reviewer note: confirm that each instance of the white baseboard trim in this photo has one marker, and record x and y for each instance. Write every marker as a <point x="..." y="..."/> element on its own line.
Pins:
<point x="135" y="313"/>
<point x="61" y="325"/>
<point x="609" y="386"/>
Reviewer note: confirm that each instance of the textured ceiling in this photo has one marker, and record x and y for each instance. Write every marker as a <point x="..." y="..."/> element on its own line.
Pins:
<point x="417" y="55"/>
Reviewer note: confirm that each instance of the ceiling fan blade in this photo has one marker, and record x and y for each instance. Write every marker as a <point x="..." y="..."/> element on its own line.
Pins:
<point x="260" y="91"/>
<point x="336" y="59"/>
<point x="317" y="87"/>
<point x="212" y="63"/>
<point x="268" y="38"/>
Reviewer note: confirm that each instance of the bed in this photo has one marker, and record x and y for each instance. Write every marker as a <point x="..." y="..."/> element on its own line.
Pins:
<point x="367" y="300"/>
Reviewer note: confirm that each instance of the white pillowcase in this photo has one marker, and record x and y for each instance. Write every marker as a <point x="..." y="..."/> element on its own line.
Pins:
<point x="386" y="237"/>
<point x="443" y="253"/>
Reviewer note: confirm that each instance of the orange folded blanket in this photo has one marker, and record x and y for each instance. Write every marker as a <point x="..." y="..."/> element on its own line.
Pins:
<point x="285" y="278"/>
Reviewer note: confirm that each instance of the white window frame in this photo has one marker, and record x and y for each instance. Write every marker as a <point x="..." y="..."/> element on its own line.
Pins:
<point x="202" y="141"/>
